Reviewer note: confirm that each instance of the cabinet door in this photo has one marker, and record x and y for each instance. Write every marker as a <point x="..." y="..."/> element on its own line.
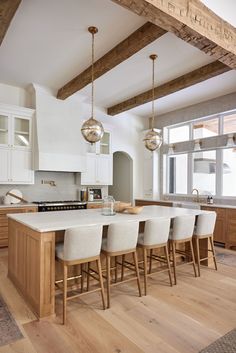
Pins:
<point x="104" y="170"/>
<point x="21" y="167"/>
<point x="21" y="132"/>
<point x="4" y="165"/>
<point x="4" y="129"/>
<point x="89" y="177"/>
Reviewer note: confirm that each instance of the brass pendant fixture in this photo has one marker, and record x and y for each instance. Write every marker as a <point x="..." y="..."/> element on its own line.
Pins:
<point x="153" y="139"/>
<point x="92" y="129"/>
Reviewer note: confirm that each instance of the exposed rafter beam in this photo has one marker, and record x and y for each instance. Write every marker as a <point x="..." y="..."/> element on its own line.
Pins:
<point x="199" y="75"/>
<point x="128" y="47"/>
<point x="191" y="21"/>
<point x="7" y="11"/>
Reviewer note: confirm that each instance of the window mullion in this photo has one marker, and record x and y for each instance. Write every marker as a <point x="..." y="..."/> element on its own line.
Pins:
<point x="190" y="173"/>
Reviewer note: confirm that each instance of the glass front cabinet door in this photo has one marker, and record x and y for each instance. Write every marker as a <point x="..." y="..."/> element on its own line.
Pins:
<point x="4" y="130"/>
<point x="21" y="132"/>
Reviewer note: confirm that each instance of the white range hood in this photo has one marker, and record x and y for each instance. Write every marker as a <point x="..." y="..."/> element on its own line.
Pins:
<point x="59" y="145"/>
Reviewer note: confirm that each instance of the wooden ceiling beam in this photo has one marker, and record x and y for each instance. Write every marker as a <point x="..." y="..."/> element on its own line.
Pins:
<point x="199" y="75"/>
<point x="7" y="11"/>
<point x="125" y="49"/>
<point x="191" y="21"/>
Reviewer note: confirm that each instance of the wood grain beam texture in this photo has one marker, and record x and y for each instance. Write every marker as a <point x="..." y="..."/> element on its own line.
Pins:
<point x="199" y="75"/>
<point x="7" y="11"/>
<point x="125" y="49"/>
<point x="191" y="21"/>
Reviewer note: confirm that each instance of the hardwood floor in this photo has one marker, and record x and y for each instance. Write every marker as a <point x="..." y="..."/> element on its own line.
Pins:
<point x="181" y="319"/>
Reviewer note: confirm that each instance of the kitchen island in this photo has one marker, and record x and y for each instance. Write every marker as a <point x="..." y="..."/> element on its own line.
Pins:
<point x="32" y="237"/>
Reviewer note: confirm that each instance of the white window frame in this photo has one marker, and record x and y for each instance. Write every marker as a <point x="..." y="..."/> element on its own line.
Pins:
<point x="219" y="159"/>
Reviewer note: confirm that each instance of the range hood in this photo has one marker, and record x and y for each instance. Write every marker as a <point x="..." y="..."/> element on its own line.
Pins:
<point x="208" y="166"/>
<point x="59" y="145"/>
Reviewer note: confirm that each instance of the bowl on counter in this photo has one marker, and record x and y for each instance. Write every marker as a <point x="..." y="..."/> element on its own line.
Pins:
<point x="134" y="209"/>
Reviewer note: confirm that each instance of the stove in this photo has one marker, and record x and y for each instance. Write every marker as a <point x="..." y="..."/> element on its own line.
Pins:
<point x="46" y="206"/>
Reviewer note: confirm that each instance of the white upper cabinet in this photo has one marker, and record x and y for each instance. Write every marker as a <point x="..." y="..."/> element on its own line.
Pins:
<point x="99" y="162"/>
<point x="16" y="145"/>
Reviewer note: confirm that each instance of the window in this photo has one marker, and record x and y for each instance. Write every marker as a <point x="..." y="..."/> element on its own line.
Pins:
<point x="229" y="172"/>
<point x="206" y="128"/>
<point x="178" y="134"/>
<point x="229" y="124"/>
<point x="204" y="172"/>
<point x="178" y="174"/>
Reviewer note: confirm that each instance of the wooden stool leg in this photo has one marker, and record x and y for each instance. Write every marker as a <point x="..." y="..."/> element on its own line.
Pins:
<point x="64" y="292"/>
<point x="116" y="269"/>
<point x="137" y="272"/>
<point x="150" y="262"/>
<point x="88" y="277"/>
<point x="101" y="282"/>
<point x="145" y="269"/>
<point x="108" y="265"/>
<point x="174" y="262"/>
<point x="198" y="255"/>
<point x="82" y="277"/>
<point x="213" y="251"/>
<point x="123" y="268"/>
<point x="193" y="258"/>
<point x="168" y="263"/>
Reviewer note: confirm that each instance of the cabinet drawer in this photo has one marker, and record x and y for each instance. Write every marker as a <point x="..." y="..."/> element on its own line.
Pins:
<point x="3" y="220"/>
<point x="3" y="232"/>
<point x="231" y="214"/>
<point x="221" y="212"/>
<point x="3" y="242"/>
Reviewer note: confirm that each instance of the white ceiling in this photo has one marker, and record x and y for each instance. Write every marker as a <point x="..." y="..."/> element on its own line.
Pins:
<point x="48" y="43"/>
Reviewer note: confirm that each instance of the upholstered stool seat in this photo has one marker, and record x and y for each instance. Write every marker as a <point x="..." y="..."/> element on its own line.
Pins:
<point x="121" y="240"/>
<point x="182" y="233"/>
<point x="155" y="236"/>
<point x="204" y="230"/>
<point x="82" y="245"/>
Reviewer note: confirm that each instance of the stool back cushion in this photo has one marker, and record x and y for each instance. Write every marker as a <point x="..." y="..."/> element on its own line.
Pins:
<point x="205" y="224"/>
<point x="156" y="231"/>
<point x="183" y="227"/>
<point x="82" y="242"/>
<point x="122" y="236"/>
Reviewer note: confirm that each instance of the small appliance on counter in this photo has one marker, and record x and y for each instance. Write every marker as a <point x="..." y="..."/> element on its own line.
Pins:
<point x="46" y="206"/>
<point x="97" y="193"/>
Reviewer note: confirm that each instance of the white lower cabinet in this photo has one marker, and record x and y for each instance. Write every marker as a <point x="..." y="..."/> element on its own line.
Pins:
<point x="99" y="170"/>
<point x="16" y="166"/>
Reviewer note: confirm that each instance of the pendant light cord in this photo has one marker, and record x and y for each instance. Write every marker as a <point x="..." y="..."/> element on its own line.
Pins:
<point x="92" y="95"/>
<point x="153" y="79"/>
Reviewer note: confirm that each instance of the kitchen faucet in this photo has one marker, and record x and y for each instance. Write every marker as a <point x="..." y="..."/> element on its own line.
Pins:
<point x="197" y="198"/>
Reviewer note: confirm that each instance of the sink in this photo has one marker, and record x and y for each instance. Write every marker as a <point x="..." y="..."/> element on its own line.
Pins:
<point x="187" y="204"/>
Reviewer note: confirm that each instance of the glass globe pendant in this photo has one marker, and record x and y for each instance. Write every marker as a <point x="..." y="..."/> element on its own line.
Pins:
<point x="92" y="129"/>
<point x="152" y="139"/>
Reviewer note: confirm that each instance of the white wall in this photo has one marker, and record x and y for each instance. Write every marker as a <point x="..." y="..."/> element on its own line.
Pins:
<point x="67" y="117"/>
<point x="14" y="96"/>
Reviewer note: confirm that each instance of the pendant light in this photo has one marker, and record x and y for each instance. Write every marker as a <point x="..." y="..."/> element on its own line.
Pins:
<point x="153" y="139"/>
<point x="92" y="129"/>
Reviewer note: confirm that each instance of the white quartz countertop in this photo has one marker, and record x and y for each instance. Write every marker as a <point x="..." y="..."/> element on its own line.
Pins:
<point x="190" y="202"/>
<point x="53" y="221"/>
<point x="18" y="205"/>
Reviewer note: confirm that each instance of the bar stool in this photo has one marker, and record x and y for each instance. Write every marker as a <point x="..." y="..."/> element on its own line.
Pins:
<point x="121" y="240"/>
<point x="81" y="245"/>
<point x="182" y="233"/>
<point x="155" y="236"/>
<point x="204" y="230"/>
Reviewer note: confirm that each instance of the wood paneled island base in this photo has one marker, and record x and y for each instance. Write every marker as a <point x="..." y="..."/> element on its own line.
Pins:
<point x="31" y="262"/>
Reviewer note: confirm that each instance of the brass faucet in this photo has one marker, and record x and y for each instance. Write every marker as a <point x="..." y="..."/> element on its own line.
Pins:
<point x="197" y="198"/>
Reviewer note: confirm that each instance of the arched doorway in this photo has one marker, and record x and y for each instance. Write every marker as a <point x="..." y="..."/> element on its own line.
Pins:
<point x="122" y="188"/>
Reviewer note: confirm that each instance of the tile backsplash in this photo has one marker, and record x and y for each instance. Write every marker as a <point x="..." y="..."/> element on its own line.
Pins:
<point x="67" y="187"/>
